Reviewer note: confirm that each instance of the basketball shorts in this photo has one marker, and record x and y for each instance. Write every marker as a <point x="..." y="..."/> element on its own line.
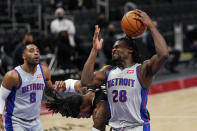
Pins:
<point x="138" y="128"/>
<point x="13" y="123"/>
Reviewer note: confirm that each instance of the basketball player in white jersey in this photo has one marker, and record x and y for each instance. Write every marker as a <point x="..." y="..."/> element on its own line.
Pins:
<point x="21" y="93"/>
<point x="22" y="89"/>
<point x="127" y="82"/>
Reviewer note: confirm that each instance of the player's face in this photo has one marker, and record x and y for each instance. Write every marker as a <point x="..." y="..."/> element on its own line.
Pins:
<point x="32" y="54"/>
<point x="120" y="51"/>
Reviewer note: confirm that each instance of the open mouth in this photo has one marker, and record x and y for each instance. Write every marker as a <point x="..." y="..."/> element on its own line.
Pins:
<point x="115" y="54"/>
<point x="37" y="58"/>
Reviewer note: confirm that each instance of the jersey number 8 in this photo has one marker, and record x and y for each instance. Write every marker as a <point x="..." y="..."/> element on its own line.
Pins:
<point x="32" y="97"/>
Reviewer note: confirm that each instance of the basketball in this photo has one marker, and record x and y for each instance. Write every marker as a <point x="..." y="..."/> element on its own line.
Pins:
<point x="131" y="26"/>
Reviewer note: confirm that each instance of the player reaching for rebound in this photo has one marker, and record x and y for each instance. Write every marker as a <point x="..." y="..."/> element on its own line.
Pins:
<point x="128" y="81"/>
<point x="21" y="93"/>
<point x="72" y="103"/>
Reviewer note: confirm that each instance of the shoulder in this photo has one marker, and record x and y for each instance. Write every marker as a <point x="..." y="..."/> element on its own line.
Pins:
<point x="46" y="71"/>
<point x="144" y="64"/>
<point x="145" y="68"/>
<point x="11" y="75"/>
<point x="11" y="79"/>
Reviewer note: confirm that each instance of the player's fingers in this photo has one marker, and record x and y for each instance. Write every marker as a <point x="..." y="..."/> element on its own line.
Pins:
<point x="101" y="41"/>
<point x="138" y="11"/>
<point x="98" y="31"/>
<point x="138" y="14"/>
<point x="62" y="84"/>
<point x="57" y="84"/>
<point x="138" y="18"/>
<point x="95" y="32"/>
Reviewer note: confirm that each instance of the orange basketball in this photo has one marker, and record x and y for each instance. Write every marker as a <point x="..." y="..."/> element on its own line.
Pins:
<point x="131" y="26"/>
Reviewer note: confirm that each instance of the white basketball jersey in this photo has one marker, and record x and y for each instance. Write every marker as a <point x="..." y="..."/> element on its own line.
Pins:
<point x="127" y="99"/>
<point x="25" y="102"/>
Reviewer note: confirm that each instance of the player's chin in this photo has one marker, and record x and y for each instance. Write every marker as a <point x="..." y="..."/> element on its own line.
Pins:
<point x="115" y="57"/>
<point x="36" y="61"/>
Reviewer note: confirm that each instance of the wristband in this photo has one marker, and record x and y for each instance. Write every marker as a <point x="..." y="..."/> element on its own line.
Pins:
<point x="70" y="85"/>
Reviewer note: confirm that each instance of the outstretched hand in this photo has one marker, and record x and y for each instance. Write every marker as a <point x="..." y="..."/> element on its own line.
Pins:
<point x="144" y="18"/>
<point x="97" y="44"/>
<point x="60" y="86"/>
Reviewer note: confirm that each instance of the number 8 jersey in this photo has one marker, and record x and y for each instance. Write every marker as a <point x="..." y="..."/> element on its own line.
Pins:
<point x="127" y="99"/>
<point x="24" y="101"/>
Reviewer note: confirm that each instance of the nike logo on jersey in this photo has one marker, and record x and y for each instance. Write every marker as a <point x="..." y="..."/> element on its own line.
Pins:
<point x="130" y="71"/>
<point x="39" y="76"/>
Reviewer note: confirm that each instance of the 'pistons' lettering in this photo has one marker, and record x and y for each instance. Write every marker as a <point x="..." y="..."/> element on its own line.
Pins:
<point x="120" y="82"/>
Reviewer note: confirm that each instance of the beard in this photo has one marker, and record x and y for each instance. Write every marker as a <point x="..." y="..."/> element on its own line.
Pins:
<point x="117" y="61"/>
<point x="33" y="63"/>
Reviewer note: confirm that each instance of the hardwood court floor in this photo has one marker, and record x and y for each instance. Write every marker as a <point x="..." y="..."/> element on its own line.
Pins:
<point x="172" y="111"/>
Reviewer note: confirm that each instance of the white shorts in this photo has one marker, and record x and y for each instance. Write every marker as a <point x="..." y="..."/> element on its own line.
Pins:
<point x="12" y="123"/>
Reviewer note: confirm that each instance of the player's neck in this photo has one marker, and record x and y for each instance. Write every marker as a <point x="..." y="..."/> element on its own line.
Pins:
<point x="29" y="68"/>
<point x="126" y="63"/>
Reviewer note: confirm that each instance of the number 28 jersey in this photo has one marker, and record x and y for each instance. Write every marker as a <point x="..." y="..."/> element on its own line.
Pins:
<point x="127" y="98"/>
<point x="25" y="101"/>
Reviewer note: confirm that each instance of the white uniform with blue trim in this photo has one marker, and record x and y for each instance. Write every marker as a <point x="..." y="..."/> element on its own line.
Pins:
<point x="24" y="103"/>
<point x="127" y="100"/>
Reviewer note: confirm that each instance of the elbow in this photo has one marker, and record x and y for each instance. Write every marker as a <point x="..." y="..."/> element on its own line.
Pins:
<point x="84" y="82"/>
<point x="165" y="56"/>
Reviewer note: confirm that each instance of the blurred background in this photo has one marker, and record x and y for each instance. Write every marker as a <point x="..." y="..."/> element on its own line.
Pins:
<point x="63" y="30"/>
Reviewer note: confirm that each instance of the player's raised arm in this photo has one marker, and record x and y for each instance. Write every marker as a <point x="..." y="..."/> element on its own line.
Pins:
<point x="154" y="64"/>
<point x="9" y="81"/>
<point x="89" y="78"/>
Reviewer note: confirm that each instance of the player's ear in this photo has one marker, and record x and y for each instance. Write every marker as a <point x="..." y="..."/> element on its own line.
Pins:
<point x="23" y="56"/>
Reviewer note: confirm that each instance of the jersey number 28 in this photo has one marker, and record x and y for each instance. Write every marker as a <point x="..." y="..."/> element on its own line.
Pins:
<point x="119" y="95"/>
